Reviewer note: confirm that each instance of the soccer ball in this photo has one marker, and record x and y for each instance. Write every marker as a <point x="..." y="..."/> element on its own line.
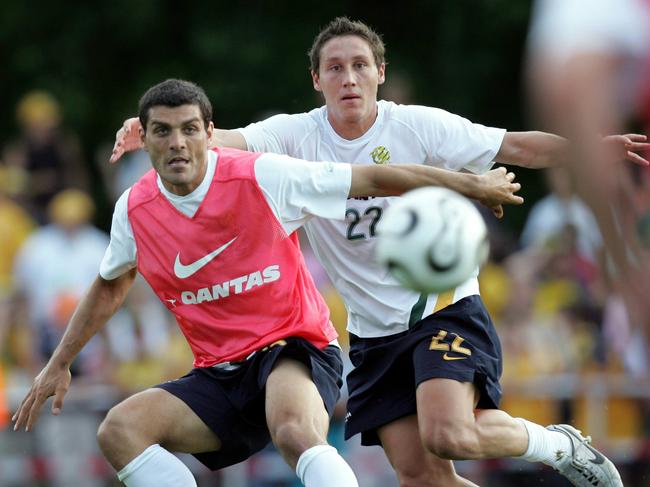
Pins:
<point x="432" y="240"/>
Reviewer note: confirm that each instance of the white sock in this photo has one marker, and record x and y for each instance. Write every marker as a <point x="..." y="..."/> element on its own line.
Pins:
<point x="543" y="444"/>
<point x="156" y="467"/>
<point x="322" y="466"/>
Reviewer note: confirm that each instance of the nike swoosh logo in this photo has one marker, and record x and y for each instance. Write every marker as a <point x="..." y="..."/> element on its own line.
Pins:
<point x="448" y="357"/>
<point x="598" y="458"/>
<point x="184" y="271"/>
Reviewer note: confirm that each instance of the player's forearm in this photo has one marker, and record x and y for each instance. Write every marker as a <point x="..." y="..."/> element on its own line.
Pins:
<point x="395" y="180"/>
<point x="535" y="150"/>
<point x="95" y="309"/>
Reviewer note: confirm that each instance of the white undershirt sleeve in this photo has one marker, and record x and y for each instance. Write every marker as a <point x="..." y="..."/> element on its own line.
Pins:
<point x="296" y="190"/>
<point x="120" y="256"/>
<point x="280" y="133"/>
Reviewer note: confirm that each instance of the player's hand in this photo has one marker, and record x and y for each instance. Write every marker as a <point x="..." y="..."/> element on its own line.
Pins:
<point x="52" y="381"/>
<point x="628" y="145"/>
<point x="126" y="139"/>
<point x="499" y="189"/>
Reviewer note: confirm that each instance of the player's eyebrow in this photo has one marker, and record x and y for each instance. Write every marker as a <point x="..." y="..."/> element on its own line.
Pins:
<point x="184" y="122"/>
<point x="356" y="57"/>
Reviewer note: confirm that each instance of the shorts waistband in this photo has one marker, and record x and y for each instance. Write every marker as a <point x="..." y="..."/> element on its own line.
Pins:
<point x="234" y="365"/>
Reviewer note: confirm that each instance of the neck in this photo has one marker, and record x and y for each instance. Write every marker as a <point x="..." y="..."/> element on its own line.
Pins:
<point x="185" y="188"/>
<point x="180" y="189"/>
<point x="353" y="128"/>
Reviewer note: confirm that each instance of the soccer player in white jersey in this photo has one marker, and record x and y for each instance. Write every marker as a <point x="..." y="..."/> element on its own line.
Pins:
<point x="213" y="233"/>
<point x="425" y="384"/>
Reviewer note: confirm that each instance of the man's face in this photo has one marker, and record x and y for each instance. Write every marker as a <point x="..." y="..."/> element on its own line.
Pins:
<point x="177" y="142"/>
<point x="348" y="78"/>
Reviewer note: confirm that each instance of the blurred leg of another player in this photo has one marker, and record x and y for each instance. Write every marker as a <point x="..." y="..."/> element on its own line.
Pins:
<point x="585" y="74"/>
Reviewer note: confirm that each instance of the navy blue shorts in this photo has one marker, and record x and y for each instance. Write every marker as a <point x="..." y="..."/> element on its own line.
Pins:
<point x="231" y="403"/>
<point x="458" y="342"/>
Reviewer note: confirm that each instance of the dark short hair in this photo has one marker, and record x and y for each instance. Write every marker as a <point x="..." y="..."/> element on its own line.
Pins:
<point x="174" y="93"/>
<point x="343" y="26"/>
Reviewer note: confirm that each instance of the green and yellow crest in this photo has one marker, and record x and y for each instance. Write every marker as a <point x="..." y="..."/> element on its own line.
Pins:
<point x="380" y="155"/>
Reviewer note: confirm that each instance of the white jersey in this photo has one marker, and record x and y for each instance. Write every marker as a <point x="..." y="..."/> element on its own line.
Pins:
<point x="377" y="305"/>
<point x="294" y="190"/>
<point x="561" y="29"/>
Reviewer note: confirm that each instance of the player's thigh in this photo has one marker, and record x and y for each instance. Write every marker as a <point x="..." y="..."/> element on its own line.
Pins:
<point x="292" y="396"/>
<point x="165" y="418"/>
<point x="401" y="442"/>
<point x="445" y="403"/>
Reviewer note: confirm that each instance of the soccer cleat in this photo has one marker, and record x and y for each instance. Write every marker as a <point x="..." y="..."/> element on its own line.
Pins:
<point x="584" y="466"/>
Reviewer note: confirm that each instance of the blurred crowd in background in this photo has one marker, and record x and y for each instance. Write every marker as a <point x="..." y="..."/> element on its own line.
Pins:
<point x="571" y="353"/>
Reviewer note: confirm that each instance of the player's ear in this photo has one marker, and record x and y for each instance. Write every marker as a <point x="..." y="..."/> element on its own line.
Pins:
<point x="315" y="80"/>
<point x="142" y="136"/>
<point x="210" y="129"/>
<point x="382" y="73"/>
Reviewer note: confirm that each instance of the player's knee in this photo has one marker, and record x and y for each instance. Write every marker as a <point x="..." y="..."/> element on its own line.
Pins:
<point x="292" y="437"/>
<point x="413" y="477"/>
<point x="111" y="430"/>
<point x="118" y="429"/>
<point x="430" y="474"/>
<point x="452" y="442"/>
<point x="411" y="470"/>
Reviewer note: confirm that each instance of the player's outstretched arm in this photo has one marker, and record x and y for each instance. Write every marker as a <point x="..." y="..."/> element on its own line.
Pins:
<point x="493" y="189"/>
<point x="128" y="139"/>
<point x="94" y="310"/>
<point x="537" y="150"/>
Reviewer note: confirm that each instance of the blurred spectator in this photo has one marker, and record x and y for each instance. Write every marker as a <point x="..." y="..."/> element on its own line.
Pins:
<point x="48" y="153"/>
<point x="54" y="266"/>
<point x="551" y="319"/>
<point x="627" y="348"/>
<point x="560" y="212"/>
<point x="15" y="226"/>
<point x="4" y="403"/>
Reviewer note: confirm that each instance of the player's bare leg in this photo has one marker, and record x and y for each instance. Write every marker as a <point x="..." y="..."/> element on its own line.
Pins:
<point x="413" y="464"/>
<point x="451" y="428"/>
<point x="299" y="423"/>
<point x="138" y="435"/>
<point x="294" y="411"/>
